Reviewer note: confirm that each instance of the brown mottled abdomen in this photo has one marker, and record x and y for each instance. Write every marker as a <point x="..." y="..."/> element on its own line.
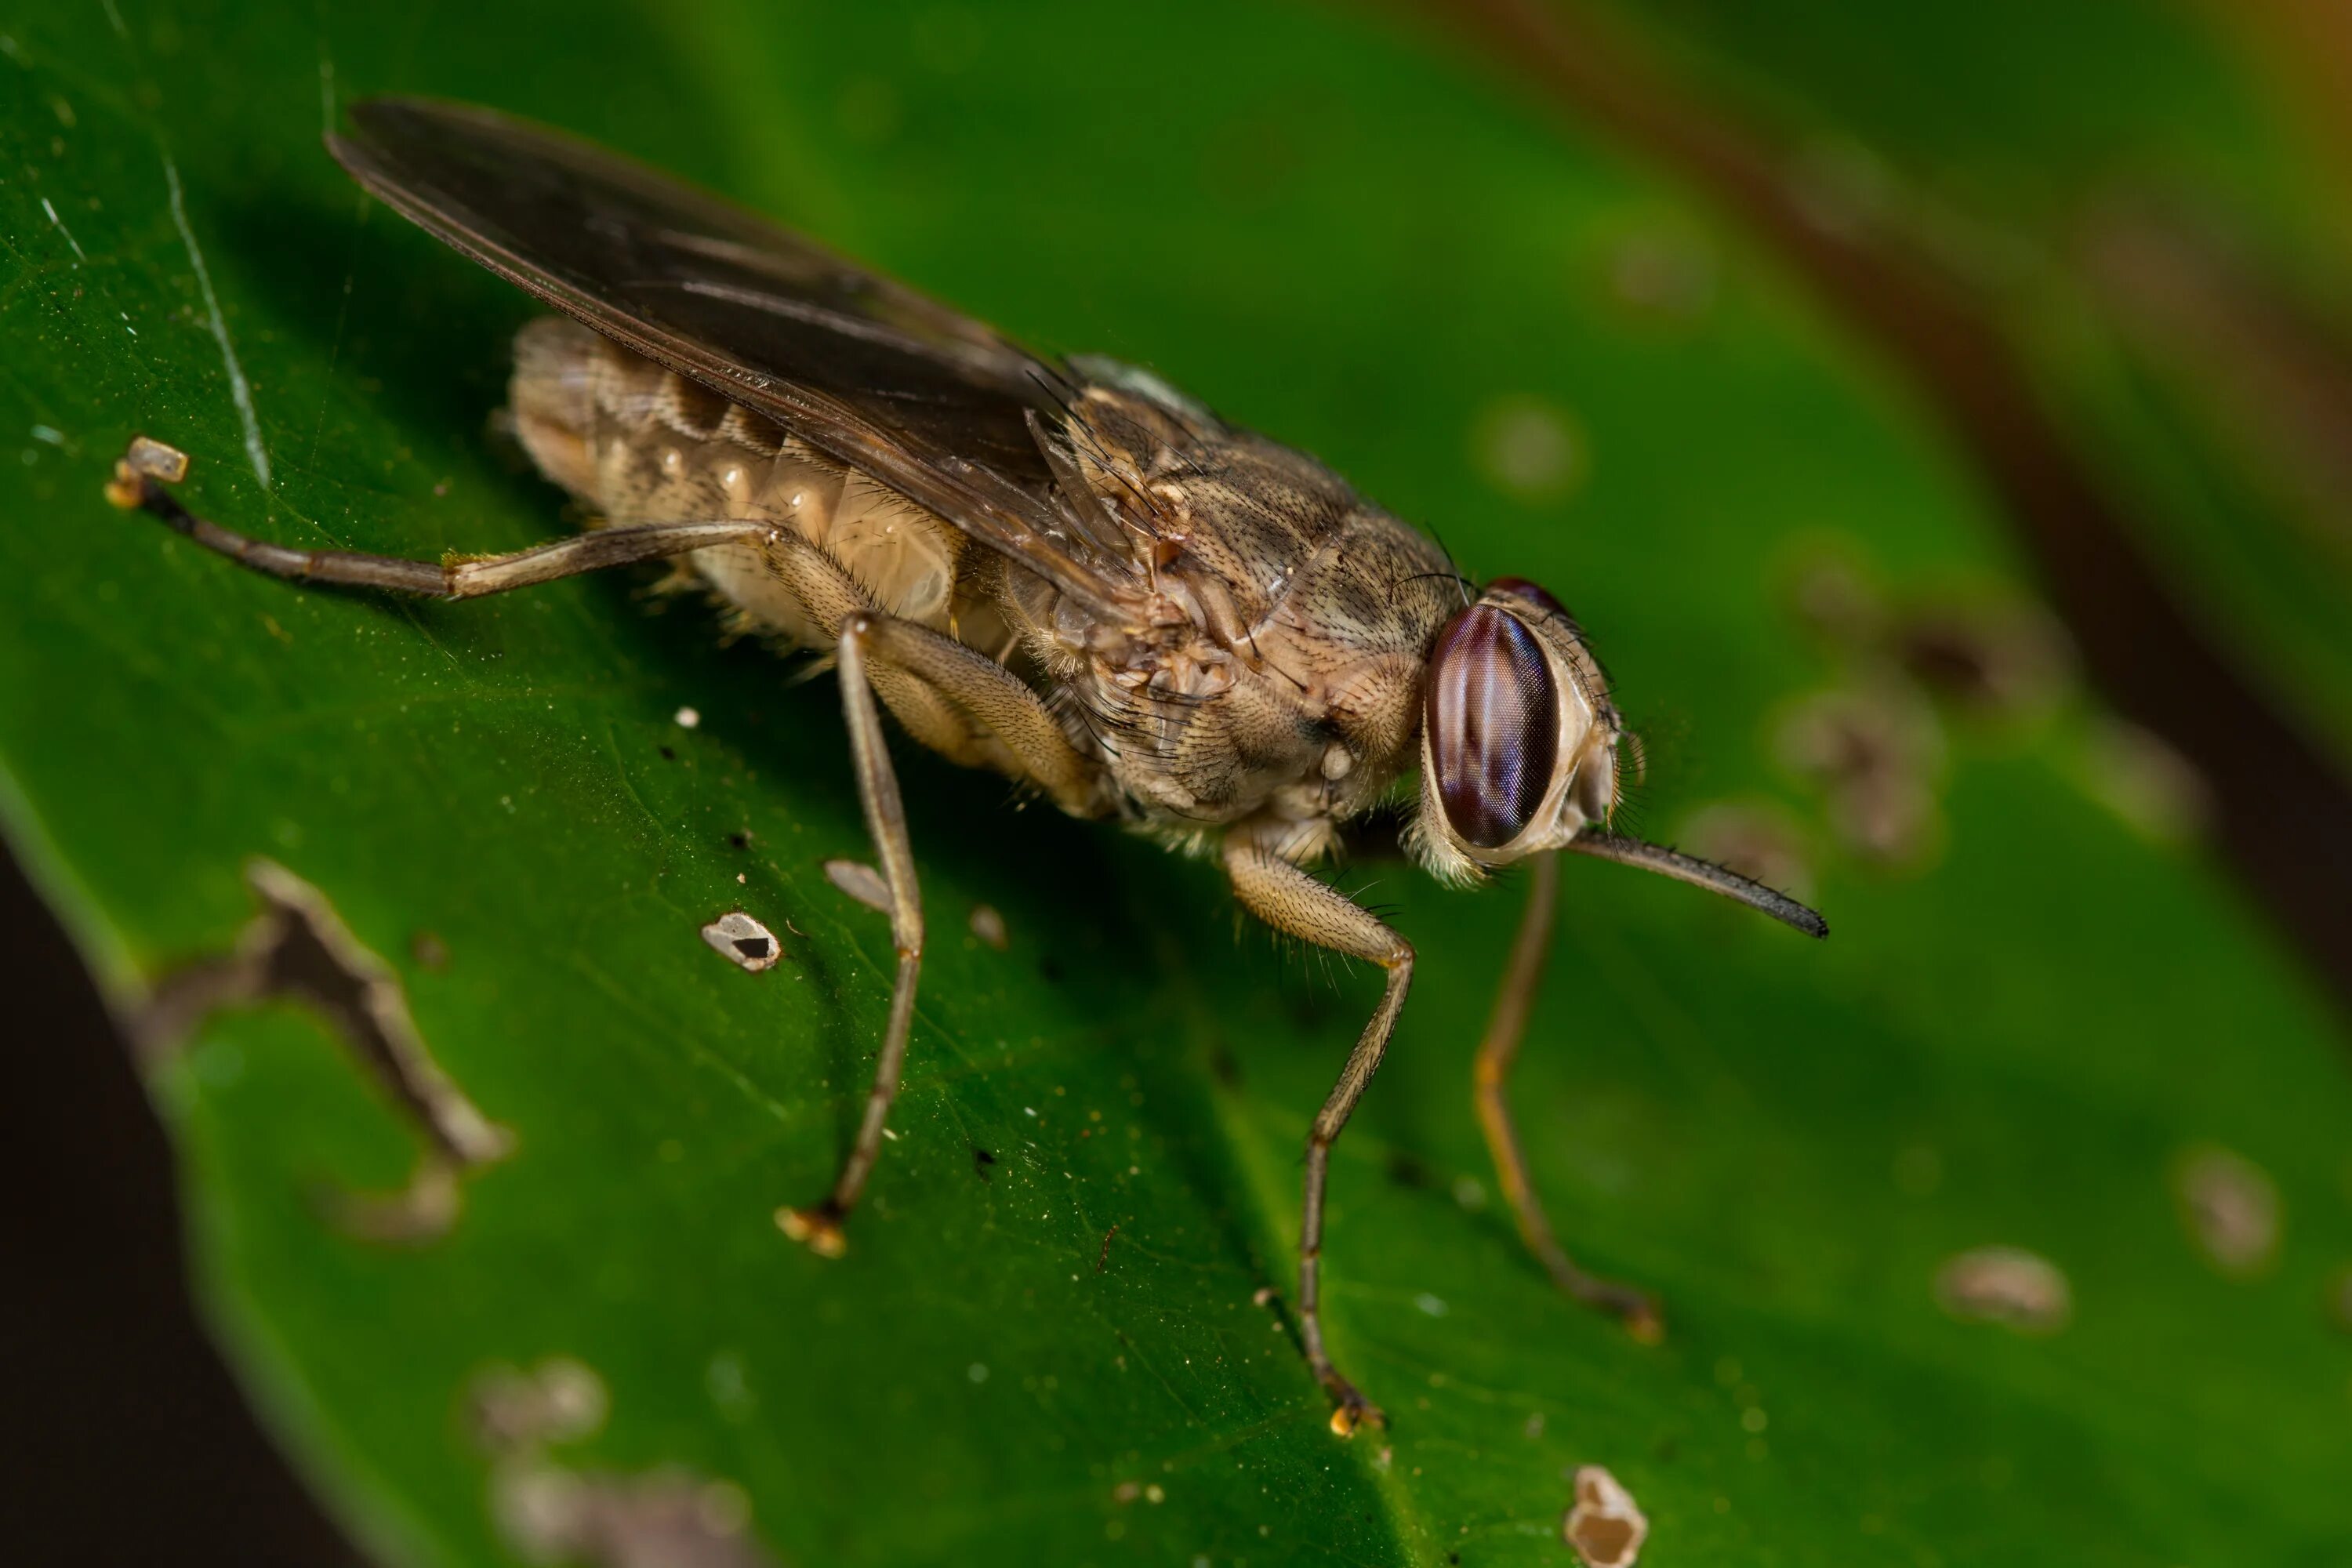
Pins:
<point x="641" y="443"/>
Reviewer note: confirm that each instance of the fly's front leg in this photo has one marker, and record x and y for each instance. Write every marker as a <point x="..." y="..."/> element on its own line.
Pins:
<point x="141" y="477"/>
<point x="1290" y="901"/>
<point x="1497" y="1052"/>
<point x="886" y="820"/>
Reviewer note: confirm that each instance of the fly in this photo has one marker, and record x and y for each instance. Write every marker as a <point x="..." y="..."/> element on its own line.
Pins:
<point x="1065" y="571"/>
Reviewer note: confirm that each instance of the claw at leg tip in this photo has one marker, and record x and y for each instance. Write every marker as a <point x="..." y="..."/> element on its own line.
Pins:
<point x="816" y="1229"/>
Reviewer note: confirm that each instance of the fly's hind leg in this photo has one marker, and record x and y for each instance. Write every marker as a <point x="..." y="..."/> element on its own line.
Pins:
<point x="1290" y="901"/>
<point x="142" y="478"/>
<point x="1496" y="1053"/>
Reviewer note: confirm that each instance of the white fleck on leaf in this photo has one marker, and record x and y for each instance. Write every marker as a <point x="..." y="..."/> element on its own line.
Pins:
<point x="2006" y="1285"/>
<point x="744" y="941"/>
<point x="2230" y="1208"/>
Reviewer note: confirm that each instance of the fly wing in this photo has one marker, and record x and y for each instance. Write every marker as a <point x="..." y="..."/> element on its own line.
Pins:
<point x="929" y="402"/>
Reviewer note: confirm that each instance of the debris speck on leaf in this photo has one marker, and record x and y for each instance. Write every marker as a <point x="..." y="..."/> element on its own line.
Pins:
<point x="861" y="882"/>
<point x="743" y="940"/>
<point x="989" y="927"/>
<point x="145" y="459"/>
<point x="2006" y="1285"/>
<point x="2230" y="1208"/>
<point x="687" y="718"/>
<point x="1604" y="1524"/>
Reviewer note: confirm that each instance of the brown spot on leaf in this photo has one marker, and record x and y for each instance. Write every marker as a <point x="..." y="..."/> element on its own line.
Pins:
<point x="1604" y="1524"/>
<point x="1877" y="753"/>
<point x="2001" y="660"/>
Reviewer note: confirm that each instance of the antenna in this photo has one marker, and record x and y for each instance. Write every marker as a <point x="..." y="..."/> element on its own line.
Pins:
<point x="1699" y="873"/>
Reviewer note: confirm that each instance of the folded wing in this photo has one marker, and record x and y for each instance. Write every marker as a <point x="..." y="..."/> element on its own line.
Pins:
<point x="929" y="402"/>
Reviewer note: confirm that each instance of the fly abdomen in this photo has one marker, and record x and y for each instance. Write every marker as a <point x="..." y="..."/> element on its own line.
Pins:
<point x="640" y="444"/>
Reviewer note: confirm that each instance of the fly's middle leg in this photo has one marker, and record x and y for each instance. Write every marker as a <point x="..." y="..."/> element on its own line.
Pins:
<point x="946" y="694"/>
<point x="1496" y="1053"/>
<point x="886" y="820"/>
<point x="1291" y="901"/>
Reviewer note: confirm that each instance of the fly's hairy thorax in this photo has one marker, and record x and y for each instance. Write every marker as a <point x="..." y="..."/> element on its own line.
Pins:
<point x="1261" y="657"/>
<point x="1273" y="671"/>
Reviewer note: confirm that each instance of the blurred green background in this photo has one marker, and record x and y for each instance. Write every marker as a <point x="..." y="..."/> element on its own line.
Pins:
<point x="1869" y="381"/>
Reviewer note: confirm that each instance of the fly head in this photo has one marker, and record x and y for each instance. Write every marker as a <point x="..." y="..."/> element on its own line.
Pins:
<point x="1518" y="751"/>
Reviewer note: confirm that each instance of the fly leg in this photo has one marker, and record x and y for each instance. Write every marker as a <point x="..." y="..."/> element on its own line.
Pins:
<point x="1497" y="1052"/>
<point x="940" y="690"/>
<point x="832" y="598"/>
<point x="138" y="484"/>
<point x="886" y="820"/>
<point x="954" y="698"/>
<point x="1290" y="901"/>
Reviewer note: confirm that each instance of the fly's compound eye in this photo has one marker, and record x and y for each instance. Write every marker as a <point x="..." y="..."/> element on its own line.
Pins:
<point x="1493" y="716"/>
<point x="1520" y="588"/>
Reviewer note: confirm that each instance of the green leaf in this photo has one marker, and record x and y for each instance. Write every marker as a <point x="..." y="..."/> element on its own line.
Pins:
<point x="2134" y="191"/>
<point x="1343" y="234"/>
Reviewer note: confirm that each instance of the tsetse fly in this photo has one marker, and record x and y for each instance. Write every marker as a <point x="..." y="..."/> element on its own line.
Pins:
<point x="1062" y="570"/>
